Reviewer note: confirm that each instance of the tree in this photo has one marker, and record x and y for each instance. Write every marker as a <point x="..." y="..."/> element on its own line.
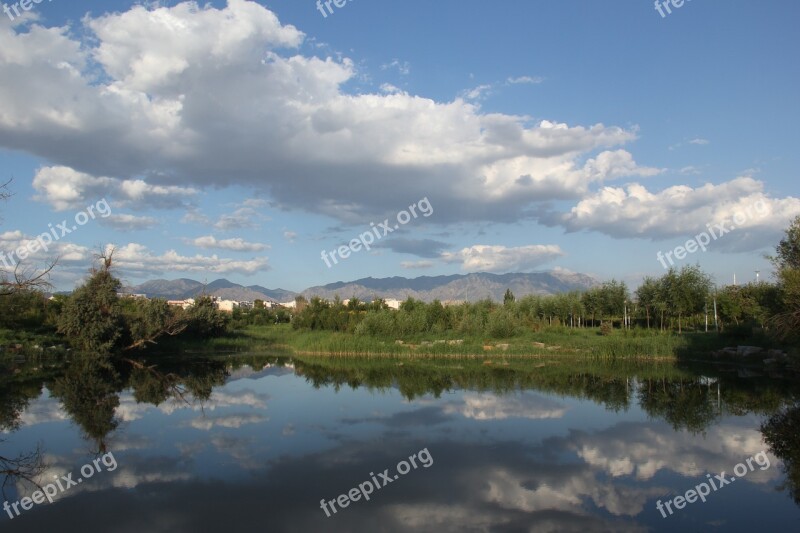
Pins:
<point x="613" y="295"/>
<point x="685" y="292"/>
<point x="788" y="250"/>
<point x="508" y="298"/>
<point x="92" y="319"/>
<point x="147" y="320"/>
<point x="204" y="320"/>
<point x="647" y="294"/>
<point x="786" y="322"/>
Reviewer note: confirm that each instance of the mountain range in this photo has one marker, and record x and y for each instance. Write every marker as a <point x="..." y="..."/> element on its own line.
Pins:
<point x="428" y="288"/>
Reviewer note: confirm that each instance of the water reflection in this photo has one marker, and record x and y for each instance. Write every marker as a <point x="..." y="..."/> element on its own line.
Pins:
<point x="239" y="443"/>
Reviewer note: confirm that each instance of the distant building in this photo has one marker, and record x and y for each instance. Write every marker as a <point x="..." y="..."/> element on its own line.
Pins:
<point x="393" y="303"/>
<point x="184" y="304"/>
<point x="131" y="295"/>
<point x="226" y="305"/>
<point x="289" y="305"/>
<point x="245" y="305"/>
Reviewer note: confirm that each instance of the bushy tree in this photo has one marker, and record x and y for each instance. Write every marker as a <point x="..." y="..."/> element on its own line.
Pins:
<point x="786" y="321"/>
<point x="91" y="318"/>
<point x="204" y="320"/>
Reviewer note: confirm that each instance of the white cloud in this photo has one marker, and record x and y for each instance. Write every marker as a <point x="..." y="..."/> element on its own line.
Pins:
<point x="678" y="211"/>
<point x="206" y="423"/>
<point x="64" y="188"/>
<point x="126" y="222"/>
<point x="137" y="260"/>
<point x="290" y="235"/>
<point x="480" y="258"/>
<point x="412" y="265"/>
<point x="157" y="102"/>
<point x="487" y="406"/>
<point x="527" y="80"/>
<point x="402" y="67"/>
<point x="235" y="245"/>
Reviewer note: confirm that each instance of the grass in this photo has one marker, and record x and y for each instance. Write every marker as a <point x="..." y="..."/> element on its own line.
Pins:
<point x="282" y="339"/>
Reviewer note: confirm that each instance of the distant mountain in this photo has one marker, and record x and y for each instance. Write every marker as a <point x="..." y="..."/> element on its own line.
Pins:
<point x="456" y="287"/>
<point x="170" y="290"/>
<point x="180" y="289"/>
<point x="278" y="295"/>
<point x="470" y="287"/>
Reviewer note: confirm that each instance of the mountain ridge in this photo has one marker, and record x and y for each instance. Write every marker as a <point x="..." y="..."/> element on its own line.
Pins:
<point x="470" y="287"/>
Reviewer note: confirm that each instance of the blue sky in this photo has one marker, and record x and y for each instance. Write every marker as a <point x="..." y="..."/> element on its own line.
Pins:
<point x="241" y="139"/>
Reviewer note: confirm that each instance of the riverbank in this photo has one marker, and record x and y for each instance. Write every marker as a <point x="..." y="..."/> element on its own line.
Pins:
<point x="282" y="339"/>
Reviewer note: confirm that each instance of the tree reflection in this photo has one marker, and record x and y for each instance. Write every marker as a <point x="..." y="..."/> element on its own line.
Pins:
<point x="782" y="434"/>
<point x="88" y="390"/>
<point x="19" y="384"/>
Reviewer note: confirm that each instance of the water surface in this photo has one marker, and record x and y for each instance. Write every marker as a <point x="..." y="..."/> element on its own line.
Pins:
<point x="254" y="443"/>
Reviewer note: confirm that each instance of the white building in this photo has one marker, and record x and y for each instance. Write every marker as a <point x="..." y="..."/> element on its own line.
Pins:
<point x="184" y="304"/>
<point x="226" y="305"/>
<point x="393" y="303"/>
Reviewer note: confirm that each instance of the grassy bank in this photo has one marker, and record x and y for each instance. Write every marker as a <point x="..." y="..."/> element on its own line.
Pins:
<point x="586" y="343"/>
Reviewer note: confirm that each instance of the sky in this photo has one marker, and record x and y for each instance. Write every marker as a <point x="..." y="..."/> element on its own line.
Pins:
<point x="243" y="139"/>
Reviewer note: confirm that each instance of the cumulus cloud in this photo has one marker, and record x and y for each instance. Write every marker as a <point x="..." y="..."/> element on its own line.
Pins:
<point x="495" y="407"/>
<point x="206" y="423"/>
<point x="68" y="254"/>
<point x="64" y="188"/>
<point x="152" y="104"/>
<point x="126" y="222"/>
<point x="234" y="245"/>
<point x="485" y="258"/>
<point x="679" y="211"/>
<point x="137" y="260"/>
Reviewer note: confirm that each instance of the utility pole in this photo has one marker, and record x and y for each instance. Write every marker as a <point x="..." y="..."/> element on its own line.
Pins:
<point x="716" y="324"/>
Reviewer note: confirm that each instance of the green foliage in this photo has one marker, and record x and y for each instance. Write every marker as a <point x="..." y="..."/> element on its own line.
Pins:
<point x="508" y="297"/>
<point x="786" y="320"/>
<point x="788" y="250"/>
<point x="204" y="320"/>
<point x="92" y="319"/>
<point x="782" y="434"/>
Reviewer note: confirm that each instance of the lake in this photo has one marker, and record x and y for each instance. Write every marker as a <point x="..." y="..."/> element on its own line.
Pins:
<point x="257" y="443"/>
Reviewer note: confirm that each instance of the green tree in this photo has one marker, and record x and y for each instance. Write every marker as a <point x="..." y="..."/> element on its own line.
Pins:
<point x="788" y="250"/>
<point x="204" y="320"/>
<point x="91" y="319"/>
<point x="786" y="321"/>
<point x="508" y="298"/>
<point x="685" y="291"/>
<point x="648" y="296"/>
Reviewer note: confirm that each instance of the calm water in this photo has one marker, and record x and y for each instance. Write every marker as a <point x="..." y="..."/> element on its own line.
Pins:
<point x="254" y="443"/>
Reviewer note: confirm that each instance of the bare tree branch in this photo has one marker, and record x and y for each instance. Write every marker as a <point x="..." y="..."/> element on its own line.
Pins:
<point x="26" y="279"/>
<point x="27" y="467"/>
